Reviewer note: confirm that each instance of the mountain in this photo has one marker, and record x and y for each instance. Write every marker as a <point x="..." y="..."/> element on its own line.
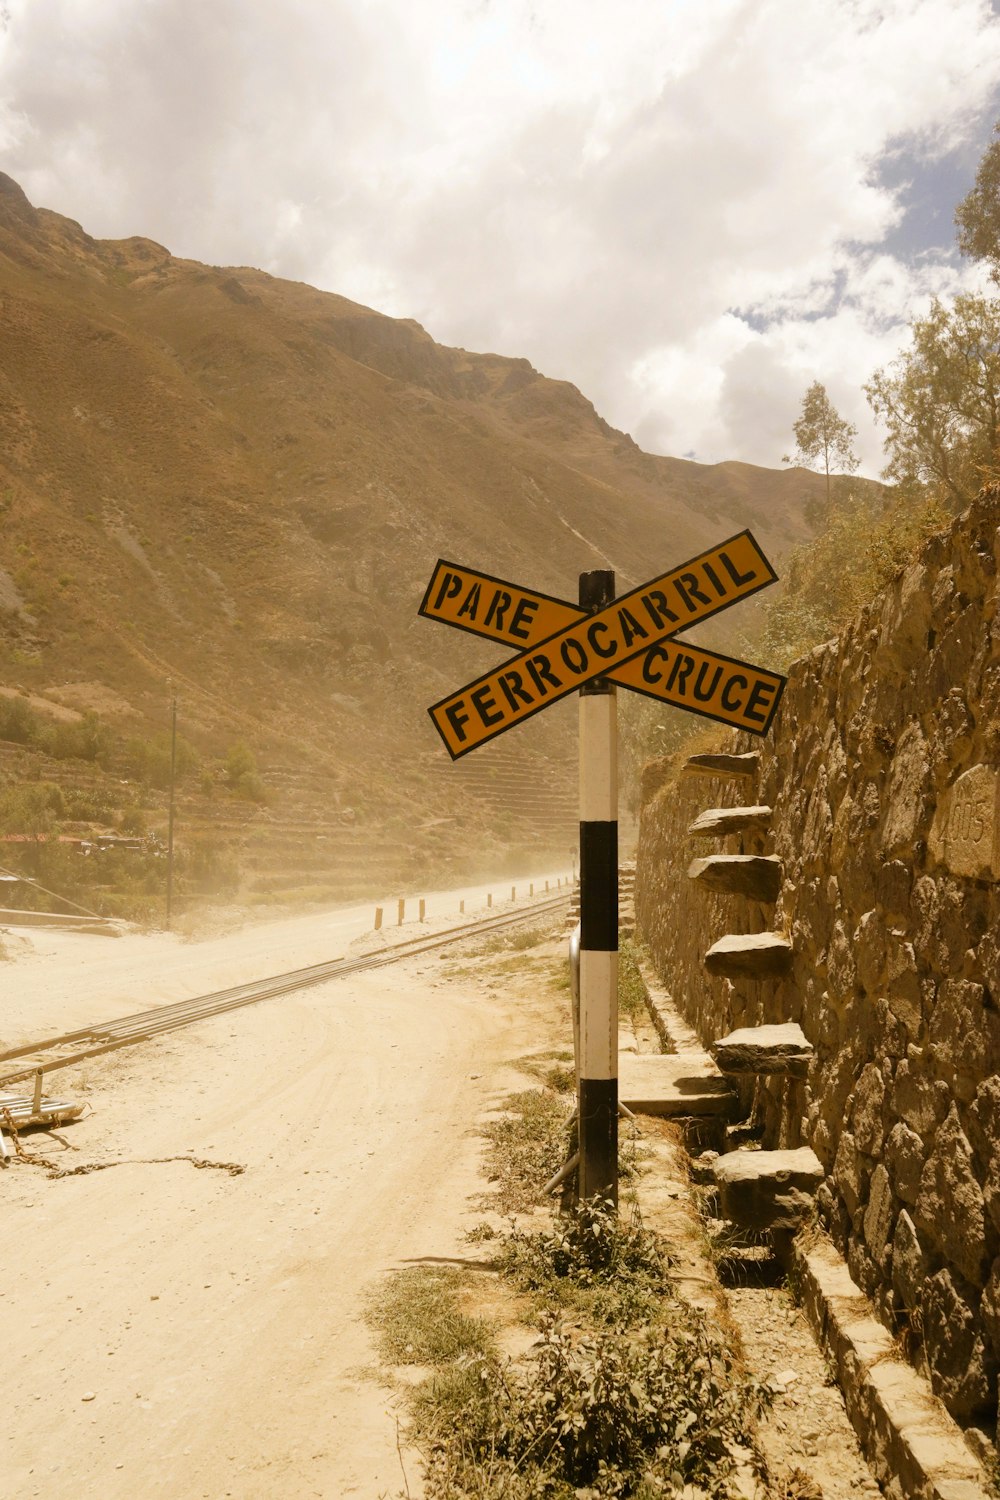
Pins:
<point x="229" y="487"/>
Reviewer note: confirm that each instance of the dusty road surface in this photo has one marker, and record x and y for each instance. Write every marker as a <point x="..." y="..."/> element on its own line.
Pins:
<point x="179" y="1330"/>
<point x="64" y="980"/>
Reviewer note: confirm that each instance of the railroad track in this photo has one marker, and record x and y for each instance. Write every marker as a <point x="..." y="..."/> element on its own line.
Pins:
<point x="71" y="1047"/>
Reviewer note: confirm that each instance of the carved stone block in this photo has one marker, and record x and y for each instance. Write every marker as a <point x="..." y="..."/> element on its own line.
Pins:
<point x="965" y="834"/>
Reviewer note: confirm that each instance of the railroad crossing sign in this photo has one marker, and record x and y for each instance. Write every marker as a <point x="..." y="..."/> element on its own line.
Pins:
<point x="591" y="647"/>
<point x="630" y="642"/>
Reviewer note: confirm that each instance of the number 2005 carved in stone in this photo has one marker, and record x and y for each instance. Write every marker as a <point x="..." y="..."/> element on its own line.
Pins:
<point x="966" y="832"/>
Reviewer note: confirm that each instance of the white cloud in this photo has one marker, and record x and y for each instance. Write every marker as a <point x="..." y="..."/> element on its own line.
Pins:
<point x="678" y="206"/>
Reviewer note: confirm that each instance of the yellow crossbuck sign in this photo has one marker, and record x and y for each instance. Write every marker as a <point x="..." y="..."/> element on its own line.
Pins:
<point x="629" y="642"/>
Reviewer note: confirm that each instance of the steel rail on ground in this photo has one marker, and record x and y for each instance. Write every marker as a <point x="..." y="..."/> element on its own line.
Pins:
<point x="127" y="1031"/>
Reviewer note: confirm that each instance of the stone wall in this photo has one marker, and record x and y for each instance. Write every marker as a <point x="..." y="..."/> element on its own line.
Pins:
<point x="883" y="770"/>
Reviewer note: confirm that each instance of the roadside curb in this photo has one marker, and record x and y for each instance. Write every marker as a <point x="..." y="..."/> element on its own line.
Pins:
<point x="674" y="1033"/>
<point x="915" y="1448"/>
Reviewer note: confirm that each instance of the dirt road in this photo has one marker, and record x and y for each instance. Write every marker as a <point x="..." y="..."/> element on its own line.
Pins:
<point x="171" y="1330"/>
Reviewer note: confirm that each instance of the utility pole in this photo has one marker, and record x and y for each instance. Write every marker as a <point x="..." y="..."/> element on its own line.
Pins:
<point x="597" y="1100"/>
<point x="170" y="809"/>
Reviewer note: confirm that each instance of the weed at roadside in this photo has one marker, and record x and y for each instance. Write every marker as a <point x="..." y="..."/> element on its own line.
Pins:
<point x="793" y="1282"/>
<point x="417" y="1320"/>
<point x="742" y="1257"/>
<point x="560" y="1078"/>
<point x="480" y="1233"/>
<point x="514" y="942"/>
<point x="558" y="975"/>
<point x="619" y="1413"/>
<point x="526" y="1146"/>
<point x="628" y="1392"/>
<point x="594" y="1260"/>
<point x="631" y="987"/>
<point x="556" y="1070"/>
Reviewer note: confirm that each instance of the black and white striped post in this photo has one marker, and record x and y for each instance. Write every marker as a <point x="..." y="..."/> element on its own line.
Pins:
<point x="598" y="1082"/>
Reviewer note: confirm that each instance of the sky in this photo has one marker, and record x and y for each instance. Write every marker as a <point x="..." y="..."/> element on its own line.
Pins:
<point x="691" y="209"/>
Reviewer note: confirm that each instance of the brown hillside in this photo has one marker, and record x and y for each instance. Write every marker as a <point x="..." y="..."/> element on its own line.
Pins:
<point x="238" y="485"/>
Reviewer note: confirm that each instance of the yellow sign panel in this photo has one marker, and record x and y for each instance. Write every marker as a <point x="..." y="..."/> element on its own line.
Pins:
<point x="596" y="645"/>
<point x="493" y="608"/>
<point x="720" y="687"/>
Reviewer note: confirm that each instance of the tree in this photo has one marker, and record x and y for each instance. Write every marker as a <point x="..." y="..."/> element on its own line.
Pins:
<point x="241" y="773"/>
<point x="862" y="545"/>
<point x="978" y="215"/>
<point x="822" y="434"/>
<point x="17" y="722"/>
<point x="940" y="400"/>
<point x="240" y="763"/>
<point x="647" y="729"/>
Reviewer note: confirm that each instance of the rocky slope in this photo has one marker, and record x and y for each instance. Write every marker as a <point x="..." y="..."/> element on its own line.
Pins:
<point x="232" y="487"/>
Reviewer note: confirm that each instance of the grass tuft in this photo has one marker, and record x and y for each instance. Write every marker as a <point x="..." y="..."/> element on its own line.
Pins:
<point x="417" y="1320"/>
<point x="516" y="941"/>
<point x="631" y="987"/>
<point x="526" y="1145"/>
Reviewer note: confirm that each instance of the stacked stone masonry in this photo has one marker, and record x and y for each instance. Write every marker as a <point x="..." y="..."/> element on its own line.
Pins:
<point x="883" y="773"/>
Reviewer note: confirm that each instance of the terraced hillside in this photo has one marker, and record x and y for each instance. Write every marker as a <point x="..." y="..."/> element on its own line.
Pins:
<point x="232" y="488"/>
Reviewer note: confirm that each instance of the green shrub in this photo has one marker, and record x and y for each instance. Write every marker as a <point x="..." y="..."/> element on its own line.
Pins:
<point x="18" y="721"/>
<point x="90" y="807"/>
<point x="132" y="822"/>
<point x="613" y="1413"/>
<point x="864" y="541"/>
<point x="241" y="773"/>
<point x="84" y="739"/>
<point x="31" y="808"/>
<point x="612" y="1267"/>
<point x="250" y="788"/>
<point x="149" y="760"/>
<point x="88" y="738"/>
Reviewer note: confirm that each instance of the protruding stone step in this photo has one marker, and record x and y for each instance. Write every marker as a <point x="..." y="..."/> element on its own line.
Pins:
<point x="764" y="1049"/>
<point x="755" y="875"/>
<point x="653" y="1084"/>
<point x="721" y="765"/>
<point x="721" y="820"/>
<point x="767" y="1189"/>
<point x="750" y="955"/>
